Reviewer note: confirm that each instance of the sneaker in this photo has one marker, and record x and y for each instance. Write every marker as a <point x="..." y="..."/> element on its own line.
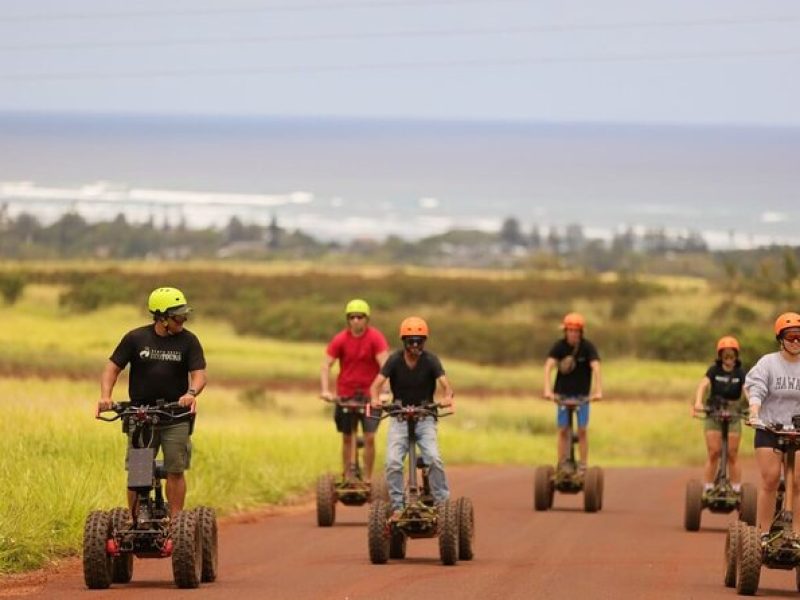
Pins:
<point x="396" y="515"/>
<point x="764" y="539"/>
<point x="581" y="467"/>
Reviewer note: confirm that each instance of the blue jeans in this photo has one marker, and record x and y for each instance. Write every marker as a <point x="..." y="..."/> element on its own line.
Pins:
<point x="429" y="451"/>
<point x="582" y="412"/>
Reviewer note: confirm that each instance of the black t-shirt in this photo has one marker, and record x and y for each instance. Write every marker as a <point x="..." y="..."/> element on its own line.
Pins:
<point x="160" y="366"/>
<point x="413" y="386"/>
<point x="579" y="381"/>
<point x="724" y="384"/>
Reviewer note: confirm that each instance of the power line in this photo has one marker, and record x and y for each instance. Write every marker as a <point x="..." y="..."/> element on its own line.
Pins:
<point x="445" y="64"/>
<point x="564" y="28"/>
<point x="294" y="7"/>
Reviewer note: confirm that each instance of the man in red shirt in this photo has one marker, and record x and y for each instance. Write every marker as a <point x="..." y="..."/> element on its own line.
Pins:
<point x="361" y="351"/>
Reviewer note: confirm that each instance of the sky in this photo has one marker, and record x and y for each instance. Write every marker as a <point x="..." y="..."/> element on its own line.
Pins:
<point x="717" y="62"/>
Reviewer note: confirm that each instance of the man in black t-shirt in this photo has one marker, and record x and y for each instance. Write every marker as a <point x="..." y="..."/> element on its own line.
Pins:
<point x="167" y="363"/>
<point x="577" y="363"/>
<point x="413" y="374"/>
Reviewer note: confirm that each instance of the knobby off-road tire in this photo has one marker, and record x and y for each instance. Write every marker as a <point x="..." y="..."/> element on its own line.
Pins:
<point x="122" y="565"/>
<point x="601" y="486"/>
<point x="694" y="505"/>
<point x="379" y="489"/>
<point x="326" y="500"/>
<point x="207" y="521"/>
<point x="748" y="504"/>
<point x="543" y="488"/>
<point x="731" y="554"/>
<point x="448" y="533"/>
<point x="592" y="489"/>
<point x="187" y="557"/>
<point x="466" y="528"/>
<point x="96" y="561"/>
<point x="377" y="532"/>
<point x="397" y="543"/>
<point x="748" y="561"/>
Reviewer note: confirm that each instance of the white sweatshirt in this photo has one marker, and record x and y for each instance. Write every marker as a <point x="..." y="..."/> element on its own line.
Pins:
<point x="774" y="385"/>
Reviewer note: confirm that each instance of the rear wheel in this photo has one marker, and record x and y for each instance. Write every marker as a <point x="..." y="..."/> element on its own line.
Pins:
<point x="466" y="528"/>
<point x="543" y="488"/>
<point x="378" y="532"/>
<point x="448" y="532"/>
<point x="122" y="565"/>
<point x="207" y="521"/>
<point x="326" y="500"/>
<point x="694" y="505"/>
<point x="731" y="550"/>
<point x="592" y="489"/>
<point x="397" y="543"/>
<point x="748" y="504"/>
<point x="748" y="561"/>
<point x="187" y="557"/>
<point x="96" y="561"/>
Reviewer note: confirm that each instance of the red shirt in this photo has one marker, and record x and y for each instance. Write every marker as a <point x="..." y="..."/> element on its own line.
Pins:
<point x="357" y="363"/>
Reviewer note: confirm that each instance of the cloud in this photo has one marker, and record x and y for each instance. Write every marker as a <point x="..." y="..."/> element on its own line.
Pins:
<point x="429" y="202"/>
<point x="773" y="217"/>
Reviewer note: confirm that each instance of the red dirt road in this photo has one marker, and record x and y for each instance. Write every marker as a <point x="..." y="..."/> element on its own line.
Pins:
<point x="635" y="548"/>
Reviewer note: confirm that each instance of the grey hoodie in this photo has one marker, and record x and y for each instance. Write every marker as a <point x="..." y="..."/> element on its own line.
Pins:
<point x="774" y="385"/>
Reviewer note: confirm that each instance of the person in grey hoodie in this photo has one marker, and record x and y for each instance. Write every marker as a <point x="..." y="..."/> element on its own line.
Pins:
<point x="773" y="387"/>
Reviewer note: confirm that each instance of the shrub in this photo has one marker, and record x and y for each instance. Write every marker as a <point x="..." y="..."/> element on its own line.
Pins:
<point x="11" y="286"/>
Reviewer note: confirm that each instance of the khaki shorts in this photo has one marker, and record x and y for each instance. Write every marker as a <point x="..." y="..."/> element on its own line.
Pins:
<point x="176" y="444"/>
<point x="734" y="427"/>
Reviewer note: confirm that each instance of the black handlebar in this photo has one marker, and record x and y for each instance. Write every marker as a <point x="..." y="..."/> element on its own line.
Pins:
<point x="412" y="411"/>
<point x="145" y="413"/>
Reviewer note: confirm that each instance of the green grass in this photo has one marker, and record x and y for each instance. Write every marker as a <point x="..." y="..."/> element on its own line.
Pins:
<point x="255" y="447"/>
<point x="40" y="338"/>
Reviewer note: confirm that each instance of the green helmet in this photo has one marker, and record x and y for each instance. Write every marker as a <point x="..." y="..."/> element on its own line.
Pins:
<point x="357" y="305"/>
<point x="167" y="300"/>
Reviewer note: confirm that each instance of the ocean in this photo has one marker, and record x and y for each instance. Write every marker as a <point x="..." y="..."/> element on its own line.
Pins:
<point x="340" y="179"/>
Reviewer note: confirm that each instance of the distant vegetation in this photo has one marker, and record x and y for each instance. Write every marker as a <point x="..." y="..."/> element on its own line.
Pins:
<point x="487" y="317"/>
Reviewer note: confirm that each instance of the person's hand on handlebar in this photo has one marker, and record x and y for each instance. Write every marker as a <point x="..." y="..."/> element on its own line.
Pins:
<point x="447" y="402"/>
<point x="103" y="404"/>
<point x="549" y="395"/>
<point x="189" y="401"/>
<point x="697" y="408"/>
<point x="597" y="396"/>
<point x="326" y="396"/>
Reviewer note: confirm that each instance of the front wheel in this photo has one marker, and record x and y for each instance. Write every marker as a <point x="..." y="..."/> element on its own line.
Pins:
<point x="448" y="533"/>
<point x="693" y="506"/>
<point x="187" y="557"/>
<point x="543" y="488"/>
<point x="97" y="571"/>
<point x="748" y="561"/>
<point x="748" y="503"/>
<point x="326" y="500"/>
<point x="592" y="489"/>
<point x="378" y="532"/>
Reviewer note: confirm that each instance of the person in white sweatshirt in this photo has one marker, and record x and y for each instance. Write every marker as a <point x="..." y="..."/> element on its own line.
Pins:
<point x="773" y="387"/>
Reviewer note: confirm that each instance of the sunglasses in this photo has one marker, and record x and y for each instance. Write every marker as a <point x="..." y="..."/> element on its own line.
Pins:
<point x="728" y="355"/>
<point x="414" y="340"/>
<point x="178" y="318"/>
<point x="792" y="337"/>
<point x="356" y="317"/>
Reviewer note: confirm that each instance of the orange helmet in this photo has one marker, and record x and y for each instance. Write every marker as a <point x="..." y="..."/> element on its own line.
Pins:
<point x="727" y="343"/>
<point x="413" y="326"/>
<point x="785" y="321"/>
<point x="573" y="320"/>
